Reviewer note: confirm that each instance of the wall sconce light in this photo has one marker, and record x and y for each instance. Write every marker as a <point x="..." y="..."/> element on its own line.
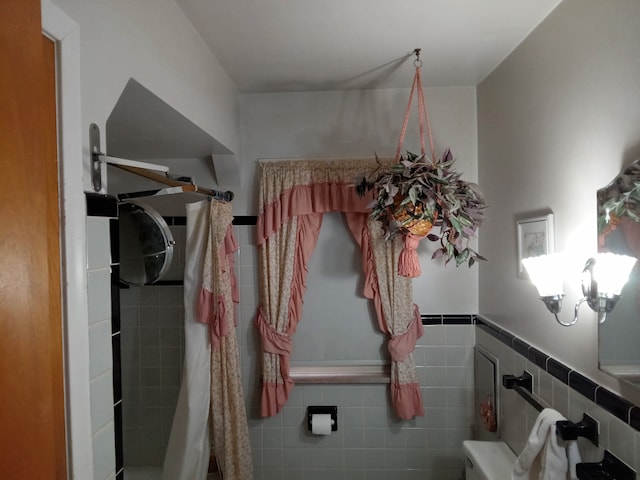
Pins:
<point x="603" y="278"/>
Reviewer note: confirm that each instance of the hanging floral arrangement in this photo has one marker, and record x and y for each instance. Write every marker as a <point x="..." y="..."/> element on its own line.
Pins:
<point x="416" y="193"/>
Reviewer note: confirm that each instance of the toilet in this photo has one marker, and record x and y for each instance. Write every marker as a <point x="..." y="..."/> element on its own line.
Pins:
<point x="488" y="460"/>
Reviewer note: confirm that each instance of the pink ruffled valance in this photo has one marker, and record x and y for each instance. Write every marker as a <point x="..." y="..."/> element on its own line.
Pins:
<point x="306" y="199"/>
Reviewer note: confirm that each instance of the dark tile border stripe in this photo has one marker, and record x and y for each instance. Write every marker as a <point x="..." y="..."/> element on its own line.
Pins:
<point x="99" y="205"/>
<point x="558" y="370"/>
<point x="237" y="220"/>
<point x="245" y="220"/>
<point x="612" y="403"/>
<point x="448" y="319"/>
<point x="582" y="384"/>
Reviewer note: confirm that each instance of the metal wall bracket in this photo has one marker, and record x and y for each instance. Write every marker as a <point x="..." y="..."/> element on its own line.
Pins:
<point x="96" y="164"/>
<point x="610" y="467"/>
<point x="587" y="428"/>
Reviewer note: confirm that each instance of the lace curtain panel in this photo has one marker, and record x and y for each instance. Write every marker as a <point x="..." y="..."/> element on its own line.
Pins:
<point x="293" y="197"/>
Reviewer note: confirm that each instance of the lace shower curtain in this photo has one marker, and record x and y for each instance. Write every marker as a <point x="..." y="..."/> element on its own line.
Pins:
<point x="216" y="307"/>
<point x="211" y="378"/>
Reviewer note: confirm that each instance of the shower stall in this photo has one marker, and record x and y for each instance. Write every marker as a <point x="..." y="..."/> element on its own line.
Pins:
<point x="164" y="262"/>
<point x="152" y="353"/>
<point x="152" y="347"/>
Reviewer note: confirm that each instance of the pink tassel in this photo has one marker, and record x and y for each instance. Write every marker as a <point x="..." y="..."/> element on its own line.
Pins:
<point x="408" y="262"/>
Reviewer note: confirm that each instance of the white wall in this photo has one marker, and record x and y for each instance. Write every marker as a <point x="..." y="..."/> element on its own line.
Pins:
<point x="556" y="121"/>
<point x="360" y="124"/>
<point x="153" y="42"/>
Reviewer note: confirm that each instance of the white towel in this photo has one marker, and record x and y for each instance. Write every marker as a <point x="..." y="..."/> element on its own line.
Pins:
<point x="573" y="454"/>
<point x="543" y="458"/>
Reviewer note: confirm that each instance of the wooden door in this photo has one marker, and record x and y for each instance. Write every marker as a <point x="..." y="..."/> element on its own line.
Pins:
<point x="32" y="426"/>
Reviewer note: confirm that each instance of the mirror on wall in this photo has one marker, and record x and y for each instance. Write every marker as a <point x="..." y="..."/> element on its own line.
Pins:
<point x="146" y="244"/>
<point x="619" y="232"/>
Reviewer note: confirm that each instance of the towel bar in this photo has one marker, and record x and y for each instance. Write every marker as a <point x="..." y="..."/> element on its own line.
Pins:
<point x="523" y="386"/>
<point x="609" y="467"/>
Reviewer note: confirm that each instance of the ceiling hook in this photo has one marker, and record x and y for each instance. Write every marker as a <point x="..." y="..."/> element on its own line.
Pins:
<point x="417" y="62"/>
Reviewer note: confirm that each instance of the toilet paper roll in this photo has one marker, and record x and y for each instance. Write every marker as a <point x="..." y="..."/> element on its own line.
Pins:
<point x="321" y="424"/>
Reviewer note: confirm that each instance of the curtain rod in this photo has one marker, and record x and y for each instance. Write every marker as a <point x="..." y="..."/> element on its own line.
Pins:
<point x="177" y="185"/>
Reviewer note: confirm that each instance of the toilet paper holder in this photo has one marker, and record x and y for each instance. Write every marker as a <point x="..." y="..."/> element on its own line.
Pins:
<point x="326" y="410"/>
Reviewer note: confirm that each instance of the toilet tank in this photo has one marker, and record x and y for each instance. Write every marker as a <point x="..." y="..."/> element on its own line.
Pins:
<point x="488" y="460"/>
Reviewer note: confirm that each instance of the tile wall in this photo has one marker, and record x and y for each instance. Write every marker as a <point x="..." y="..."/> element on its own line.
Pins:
<point x="152" y="351"/>
<point x="370" y="443"/>
<point x="565" y="390"/>
<point x="103" y="336"/>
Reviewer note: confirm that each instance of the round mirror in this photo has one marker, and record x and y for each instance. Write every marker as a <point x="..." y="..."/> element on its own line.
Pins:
<point x="146" y="244"/>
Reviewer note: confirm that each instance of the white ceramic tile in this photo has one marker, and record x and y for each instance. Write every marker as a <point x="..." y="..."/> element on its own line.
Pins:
<point x="149" y="316"/>
<point x="459" y="397"/>
<point x="272" y="437"/>
<point x="560" y="396"/>
<point x="353" y="438"/>
<point x="395" y="458"/>
<point x="249" y="297"/>
<point x="434" y="396"/>
<point x="376" y="395"/>
<point x="436" y="377"/>
<point x="104" y="457"/>
<point x="622" y="440"/>
<point x="293" y="417"/>
<point x="459" y="356"/>
<point x="170" y="296"/>
<point x="354" y="459"/>
<point x="374" y="437"/>
<point x="460" y="335"/>
<point x="376" y="417"/>
<point x="434" y="335"/>
<point x="247" y="275"/>
<point x="459" y="417"/>
<point x="98" y="243"/>
<point x="100" y="348"/>
<point x="130" y="297"/>
<point x="395" y="438"/>
<point x="545" y="387"/>
<point x="459" y="377"/>
<point x="332" y="395"/>
<point x="101" y="401"/>
<point x="435" y="417"/>
<point x="435" y="356"/>
<point x="150" y="296"/>
<point x="272" y="457"/>
<point x="170" y="316"/>
<point x="352" y="417"/>
<point x="352" y="396"/>
<point x="99" y="294"/>
<point x="247" y="255"/>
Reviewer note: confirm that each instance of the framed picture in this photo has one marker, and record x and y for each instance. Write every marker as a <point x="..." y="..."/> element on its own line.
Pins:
<point x="535" y="238"/>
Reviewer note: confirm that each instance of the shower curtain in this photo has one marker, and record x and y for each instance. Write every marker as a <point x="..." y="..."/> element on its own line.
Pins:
<point x="211" y="380"/>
